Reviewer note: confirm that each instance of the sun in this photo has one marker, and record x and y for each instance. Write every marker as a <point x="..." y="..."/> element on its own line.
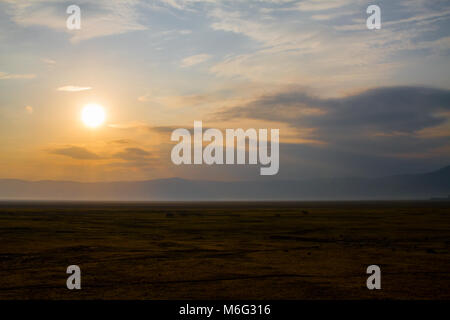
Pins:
<point x="93" y="115"/>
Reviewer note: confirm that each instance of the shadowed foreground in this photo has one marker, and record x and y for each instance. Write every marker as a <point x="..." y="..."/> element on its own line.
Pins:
<point x="225" y="250"/>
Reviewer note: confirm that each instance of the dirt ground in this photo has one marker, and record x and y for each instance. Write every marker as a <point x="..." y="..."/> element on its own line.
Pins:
<point x="303" y="250"/>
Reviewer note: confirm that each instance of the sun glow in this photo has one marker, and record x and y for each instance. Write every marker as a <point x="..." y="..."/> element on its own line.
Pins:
<point x="93" y="115"/>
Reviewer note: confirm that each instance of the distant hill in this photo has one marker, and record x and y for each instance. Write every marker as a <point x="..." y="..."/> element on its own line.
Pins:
<point x="414" y="186"/>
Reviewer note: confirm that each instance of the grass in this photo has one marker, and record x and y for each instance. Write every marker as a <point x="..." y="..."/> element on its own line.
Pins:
<point x="315" y="250"/>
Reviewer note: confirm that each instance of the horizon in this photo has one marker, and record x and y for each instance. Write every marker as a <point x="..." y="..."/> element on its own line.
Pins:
<point x="425" y="186"/>
<point x="255" y="180"/>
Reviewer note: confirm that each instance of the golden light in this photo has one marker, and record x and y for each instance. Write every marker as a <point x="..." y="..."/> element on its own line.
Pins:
<point x="93" y="115"/>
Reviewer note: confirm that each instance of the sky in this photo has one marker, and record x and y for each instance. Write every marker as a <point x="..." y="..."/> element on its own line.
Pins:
<point x="348" y="101"/>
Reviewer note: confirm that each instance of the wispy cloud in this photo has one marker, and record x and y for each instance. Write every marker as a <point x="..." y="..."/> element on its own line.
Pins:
<point x="312" y="49"/>
<point x="75" y="152"/>
<point x="320" y="5"/>
<point x="102" y="19"/>
<point x="73" y="88"/>
<point x="275" y="37"/>
<point x="132" y="154"/>
<point x="194" y="60"/>
<point x="6" y="76"/>
<point x="48" y="61"/>
<point x="128" y="125"/>
<point x="121" y="141"/>
<point x="186" y="4"/>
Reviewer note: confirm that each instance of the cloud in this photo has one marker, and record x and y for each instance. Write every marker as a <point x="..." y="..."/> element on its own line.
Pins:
<point x="275" y="36"/>
<point x="135" y="159"/>
<point x="310" y="47"/>
<point x="121" y="141"/>
<point x="6" y="76"/>
<point x="389" y="121"/>
<point x="418" y="20"/>
<point x="48" y="61"/>
<point x="166" y="99"/>
<point x="292" y="51"/>
<point x="303" y="161"/>
<point x="132" y="154"/>
<point x="320" y="5"/>
<point x="186" y="4"/>
<point x="128" y="125"/>
<point x="73" y="88"/>
<point x="98" y="19"/>
<point x="167" y="130"/>
<point x="401" y="109"/>
<point x="29" y="109"/>
<point x="375" y="132"/>
<point x="164" y="129"/>
<point x="144" y="98"/>
<point x="75" y="153"/>
<point x="194" y="60"/>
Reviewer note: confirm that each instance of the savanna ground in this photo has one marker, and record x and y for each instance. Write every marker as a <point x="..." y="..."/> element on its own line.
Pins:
<point x="303" y="250"/>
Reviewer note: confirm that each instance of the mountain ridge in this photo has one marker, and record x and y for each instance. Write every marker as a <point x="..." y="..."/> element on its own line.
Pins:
<point x="407" y="187"/>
